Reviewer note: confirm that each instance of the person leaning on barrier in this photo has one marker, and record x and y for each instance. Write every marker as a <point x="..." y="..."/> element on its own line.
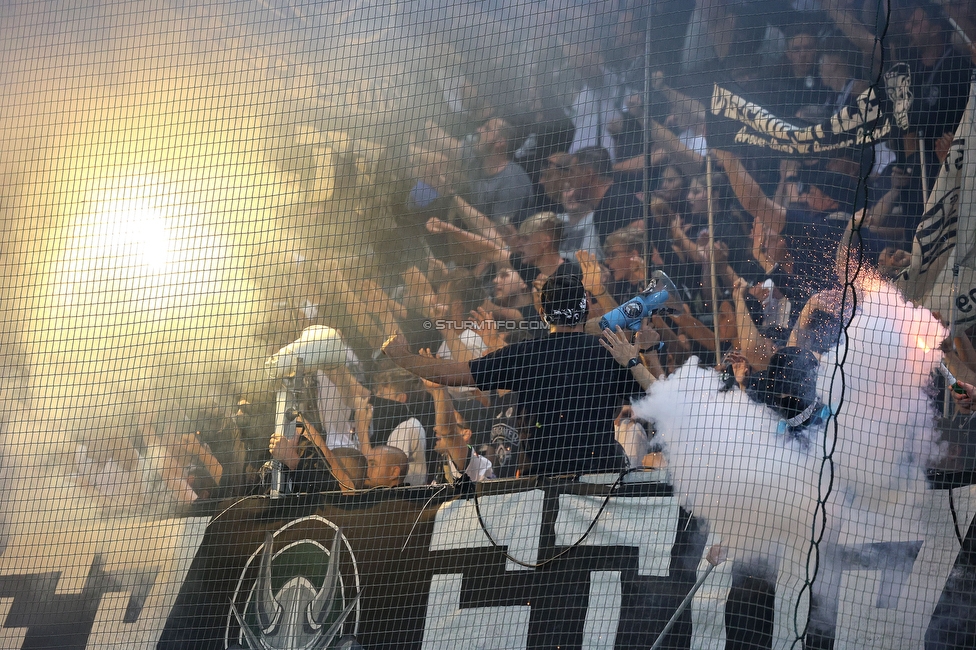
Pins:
<point x="454" y="441"/>
<point x="394" y="425"/>
<point x="386" y="466"/>
<point x="569" y="387"/>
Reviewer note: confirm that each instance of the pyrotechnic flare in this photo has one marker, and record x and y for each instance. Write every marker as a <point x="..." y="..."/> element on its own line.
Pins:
<point x="757" y="482"/>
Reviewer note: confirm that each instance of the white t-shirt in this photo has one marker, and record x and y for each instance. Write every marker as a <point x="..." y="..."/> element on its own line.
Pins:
<point x="579" y="236"/>
<point x="473" y="342"/>
<point x="410" y="438"/>
<point x="478" y="469"/>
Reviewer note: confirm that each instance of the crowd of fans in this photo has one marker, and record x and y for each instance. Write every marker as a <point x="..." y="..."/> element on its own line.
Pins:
<point x="603" y="191"/>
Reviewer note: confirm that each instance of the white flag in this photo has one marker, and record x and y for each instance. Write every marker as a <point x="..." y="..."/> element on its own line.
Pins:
<point x="946" y="238"/>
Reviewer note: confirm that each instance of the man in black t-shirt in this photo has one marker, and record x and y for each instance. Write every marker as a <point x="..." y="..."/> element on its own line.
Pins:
<point x="939" y="80"/>
<point x="569" y="386"/>
<point x="613" y="204"/>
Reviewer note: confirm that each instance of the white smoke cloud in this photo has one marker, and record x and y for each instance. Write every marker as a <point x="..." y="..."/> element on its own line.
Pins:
<point x="756" y="489"/>
<point x="759" y="491"/>
<point x="165" y="164"/>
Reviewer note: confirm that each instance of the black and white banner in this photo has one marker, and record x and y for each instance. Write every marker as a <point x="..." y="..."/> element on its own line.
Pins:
<point x="734" y="122"/>
<point x="942" y="274"/>
<point x="525" y="565"/>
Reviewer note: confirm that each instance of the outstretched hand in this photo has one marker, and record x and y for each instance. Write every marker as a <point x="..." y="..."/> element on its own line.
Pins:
<point x="428" y="384"/>
<point x="619" y="345"/>
<point x="396" y="346"/>
<point x="488" y="328"/>
<point x="592" y="272"/>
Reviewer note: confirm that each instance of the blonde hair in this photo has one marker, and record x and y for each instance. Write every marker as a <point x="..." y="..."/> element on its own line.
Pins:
<point x="546" y="222"/>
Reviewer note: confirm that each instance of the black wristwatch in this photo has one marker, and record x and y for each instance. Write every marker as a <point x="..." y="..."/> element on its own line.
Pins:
<point x="633" y="362"/>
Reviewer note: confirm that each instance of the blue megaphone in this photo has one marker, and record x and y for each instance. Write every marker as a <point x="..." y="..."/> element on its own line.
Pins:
<point x="652" y="299"/>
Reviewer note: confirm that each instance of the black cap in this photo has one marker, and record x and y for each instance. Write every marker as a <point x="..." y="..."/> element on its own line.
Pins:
<point x="790" y="385"/>
<point x="838" y="186"/>
<point x="476" y="417"/>
<point x="564" y="300"/>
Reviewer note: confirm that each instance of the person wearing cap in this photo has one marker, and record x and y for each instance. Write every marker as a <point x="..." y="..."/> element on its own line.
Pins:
<point x="812" y="228"/>
<point x="789" y="387"/>
<point x="570" y="388"/>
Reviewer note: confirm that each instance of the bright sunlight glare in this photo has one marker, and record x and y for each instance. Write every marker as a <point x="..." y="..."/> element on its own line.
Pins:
<point x="137" y="242"/>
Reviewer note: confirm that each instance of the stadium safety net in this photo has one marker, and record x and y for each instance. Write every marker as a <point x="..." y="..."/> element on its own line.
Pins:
<point x="492" y="324"/>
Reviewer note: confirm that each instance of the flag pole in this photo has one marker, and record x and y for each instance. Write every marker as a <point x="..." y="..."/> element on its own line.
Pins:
<point x="924" y="169"/>
<point x="646" y="149"/>
<point x="963" y="35"/>
<point x="711" y="257"/>
<point x="715" y="556"/>
<point x="946" y="399"/>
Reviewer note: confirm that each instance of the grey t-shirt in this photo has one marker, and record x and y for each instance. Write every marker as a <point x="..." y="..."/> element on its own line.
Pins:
<point x="502" y="196"/>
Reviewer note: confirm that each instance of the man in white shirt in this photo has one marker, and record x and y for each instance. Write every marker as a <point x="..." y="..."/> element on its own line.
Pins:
<point x="394" y="425"/>
<point x="342" y="402"/>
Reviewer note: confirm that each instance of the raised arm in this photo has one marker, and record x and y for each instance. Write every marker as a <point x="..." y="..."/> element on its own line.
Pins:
<point x="756" y="348"/>
<point x="440" y="371"/>
<point x="445" y="423"/>
<point x="356" y="396"/>
<point x="628" y="355"/>
<point x="198" y="448"/>
<point x="846" y="21"/>
<point x="687" y="160"/>
<point x="475" y="220"/>
<point x="490" y="250"/>
<point x="765" y="211"/>
<point x="679" y="101"/>
<point x="346" y="482"/>
<point x="694" y="329"/>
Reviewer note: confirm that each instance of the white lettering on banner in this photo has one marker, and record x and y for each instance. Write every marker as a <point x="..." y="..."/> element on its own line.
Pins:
<point x="649" y="524"/>
<point x="514" y="520"/>
<point x="861" y="587"/>
<point x="602" y="610"/>
<point x="886" y="589"/>
<point x="448" y="627"/>
<point x="888" y="603"/>
<point x="111" y="583"/>
<point x="10" y="637"/>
